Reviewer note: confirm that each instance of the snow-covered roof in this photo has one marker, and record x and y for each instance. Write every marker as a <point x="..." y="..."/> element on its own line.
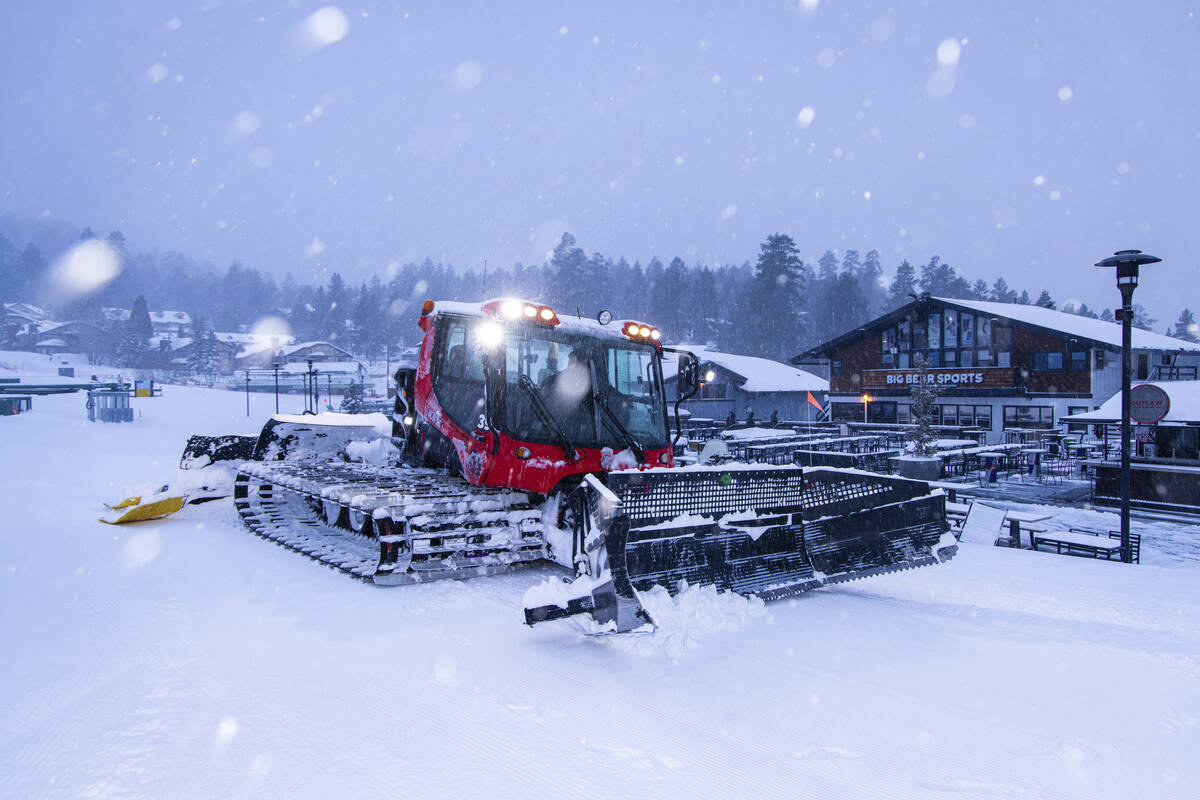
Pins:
<point x="584" y="325"/>
<point x="297" y="368"/>
<point x="168" y="317"/>
<point x="761" y="374"/>
<point x="1184" y="397"/>
<point x="295" y="348"/>
<point x="232" y="337"/>
<point x="25" y="310"/>
<point x="115" y="314"/>
<point x="1073" y="325"/>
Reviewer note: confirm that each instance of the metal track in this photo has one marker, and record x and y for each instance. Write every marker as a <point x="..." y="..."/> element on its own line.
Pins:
<point x="389" y="525"/>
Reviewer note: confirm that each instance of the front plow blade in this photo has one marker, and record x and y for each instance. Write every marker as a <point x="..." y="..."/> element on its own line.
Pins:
<point x="769" y="532"/>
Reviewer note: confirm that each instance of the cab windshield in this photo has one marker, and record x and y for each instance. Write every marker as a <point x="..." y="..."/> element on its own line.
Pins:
<point x="575" y="375"/>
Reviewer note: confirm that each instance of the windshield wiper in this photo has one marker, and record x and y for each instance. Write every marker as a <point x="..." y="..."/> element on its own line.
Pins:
<point x="547" y="418"/>
<point x="633" y="444"/>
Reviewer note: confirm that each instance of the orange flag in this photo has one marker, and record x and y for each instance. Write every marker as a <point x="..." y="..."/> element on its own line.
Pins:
<point x="813" y="400"/>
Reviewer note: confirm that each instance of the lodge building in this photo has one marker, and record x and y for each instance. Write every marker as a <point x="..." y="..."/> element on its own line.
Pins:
<point x="997" y="365"/>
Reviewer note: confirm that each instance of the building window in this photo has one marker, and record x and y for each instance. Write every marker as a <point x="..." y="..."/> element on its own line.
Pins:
<point x="713" y="391"/>
<point x="968" y="358"/>
<point x="1099" y="358"/>
<point x="949" y="415"/>
<point x="935" y="358"/>
<point x="1079" y="360"/>
<point x="1028" y="416"/>
<point x="950" y="357"/>
<point x="904" y="414"/>
<point x="882" y="411"/>
<point x="983" y="357"/>
<point x="983" y="417"/>
<point x="1047" y="360"/>
<point x="887" y="359"/>
<point x="846" y="412"/>
<point x="904" y="361"/>
<point x="904" y="335"/>
<point x="835" y="367"/>
<point x="935" y="330"/>
<point x="951" y="337"/>
<point x="967" y="329"/>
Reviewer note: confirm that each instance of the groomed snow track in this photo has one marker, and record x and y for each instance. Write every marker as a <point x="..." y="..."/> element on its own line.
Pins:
<point x="389" y="525"/>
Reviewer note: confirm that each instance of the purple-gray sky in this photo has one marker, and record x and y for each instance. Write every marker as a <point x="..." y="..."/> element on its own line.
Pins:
<point x="1023" y="139"/>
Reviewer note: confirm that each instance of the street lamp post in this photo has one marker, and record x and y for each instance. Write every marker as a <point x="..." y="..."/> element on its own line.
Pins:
<point x="247" y="393"/>
<point x="275" y="365"/>
<point x="1127" y="263"/>
<point x="866" y="398"/>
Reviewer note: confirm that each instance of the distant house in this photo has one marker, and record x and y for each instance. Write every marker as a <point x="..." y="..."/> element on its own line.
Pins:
<point x="75" y="336"/>
<point x="114" y="316"/>
<point x="746" y="383"/>
<point x="20" y="324"/>
<point x="183" y="349"/>
<point x="170" y="323"/>
<point x="262" y="356"/>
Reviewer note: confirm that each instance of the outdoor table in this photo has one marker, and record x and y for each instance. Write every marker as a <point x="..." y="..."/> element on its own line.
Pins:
<point x="1015" y="518"/>
<point x="991" y="462"/>
<point x="1096" y="545"/>
<point x="1033" y="461"/>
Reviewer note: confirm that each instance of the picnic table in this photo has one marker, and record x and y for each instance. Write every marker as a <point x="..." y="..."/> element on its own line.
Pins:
<point x="1085" y="542"/>
<point x="1015" y="518"/>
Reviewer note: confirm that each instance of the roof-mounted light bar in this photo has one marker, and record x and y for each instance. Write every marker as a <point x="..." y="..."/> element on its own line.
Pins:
<point x="640" y="331"/>
<point x="519" y="310"/>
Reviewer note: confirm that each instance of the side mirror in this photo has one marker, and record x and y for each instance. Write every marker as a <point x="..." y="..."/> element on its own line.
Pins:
<point x="688" y="376"/>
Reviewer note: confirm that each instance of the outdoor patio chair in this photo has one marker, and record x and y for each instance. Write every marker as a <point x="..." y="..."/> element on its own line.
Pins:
<point x="983" y="525"/>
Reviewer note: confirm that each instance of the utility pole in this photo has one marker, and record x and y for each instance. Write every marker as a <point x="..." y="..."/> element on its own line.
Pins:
<point x="247" y="393"/>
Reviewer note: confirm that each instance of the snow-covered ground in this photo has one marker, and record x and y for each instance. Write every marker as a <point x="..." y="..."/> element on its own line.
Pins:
<point x="186" y="658"/>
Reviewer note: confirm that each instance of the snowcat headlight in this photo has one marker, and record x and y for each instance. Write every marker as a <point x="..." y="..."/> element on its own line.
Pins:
<point x="546" y="314"/>
<point x="643" y="331"/>
<point x="530" y="311"/>
<point x="409" y="421"/>
<point x="489" y="334"/>
<point x="710" y="376"/>
<point x="510" y="309"/>
<point x="655" y="334"/>
<point x="632" y="330"/>
<point x="522" y="453"/>
<point x="664" y="459"/>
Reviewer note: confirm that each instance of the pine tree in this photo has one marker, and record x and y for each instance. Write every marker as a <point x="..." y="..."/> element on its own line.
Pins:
<point x="352" y="400"/>
<point x="1142" y="318"/>
<point x="667" y="300"/>
<point x="923" y="394"/>
<point x="1023" y="299"/>
<point x="1001" y="293"/>
<point x="904" y="284"/>
<point x="1044" y="300"/>
<point x="772" y="304"/>
<point x="570" y="278"/>
<point x="979" y="290"/>
<point x="870" y="281"/>
<point x="1185" y="327"/>
<point x="1107" y="315"/>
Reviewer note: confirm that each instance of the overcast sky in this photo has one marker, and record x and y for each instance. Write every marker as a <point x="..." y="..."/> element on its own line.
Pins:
<point x="1027" y="139"/>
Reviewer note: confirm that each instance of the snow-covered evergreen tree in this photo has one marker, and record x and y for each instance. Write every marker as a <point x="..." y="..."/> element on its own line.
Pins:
<point x="1044" y="300"/>
<point x="352" y="400"/>
<point x="923" y="394"/>
<point x="903" y="284"/>
<point x="1185" y="327"/>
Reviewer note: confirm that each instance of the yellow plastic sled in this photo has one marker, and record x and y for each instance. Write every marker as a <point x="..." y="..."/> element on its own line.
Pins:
<point x="132" y="509"/>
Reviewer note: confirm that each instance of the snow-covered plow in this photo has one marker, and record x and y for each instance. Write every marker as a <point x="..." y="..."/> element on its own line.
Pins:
<point x="769" y="532"/>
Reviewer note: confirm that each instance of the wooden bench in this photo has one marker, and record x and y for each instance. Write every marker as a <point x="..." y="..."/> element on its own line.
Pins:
<point x="1082" y="541"/>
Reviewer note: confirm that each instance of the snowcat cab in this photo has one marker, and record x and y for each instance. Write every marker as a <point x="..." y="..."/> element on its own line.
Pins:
<point x="507" y="394"/>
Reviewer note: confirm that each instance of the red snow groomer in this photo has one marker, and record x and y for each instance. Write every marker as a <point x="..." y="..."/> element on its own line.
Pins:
<point x="523" y="437"/>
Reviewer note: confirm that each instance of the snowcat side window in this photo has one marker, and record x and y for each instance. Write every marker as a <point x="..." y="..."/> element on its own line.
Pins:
<point x="458" y="380"/>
